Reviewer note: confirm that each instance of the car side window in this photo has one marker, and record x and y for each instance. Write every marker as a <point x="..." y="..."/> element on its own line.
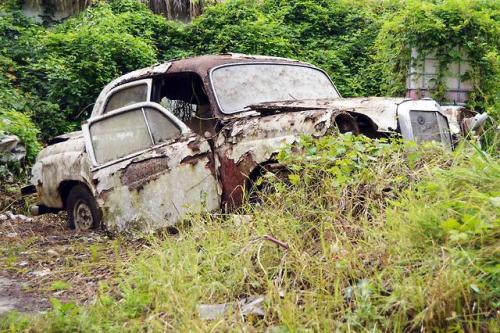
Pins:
<point x="130" y="132"/>
<point x="183" y="95"/>
<point x="162" y="128"/>
<point x="127" y="96"/>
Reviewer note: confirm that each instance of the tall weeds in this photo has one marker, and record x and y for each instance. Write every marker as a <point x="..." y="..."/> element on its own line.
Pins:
<point x="373" y="236"/>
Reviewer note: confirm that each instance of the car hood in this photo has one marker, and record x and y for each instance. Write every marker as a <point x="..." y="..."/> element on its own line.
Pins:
<point x="67" y="143"/>
<point x="381" y="110"/>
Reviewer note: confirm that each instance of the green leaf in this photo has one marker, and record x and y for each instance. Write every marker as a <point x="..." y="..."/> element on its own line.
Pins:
<point x="294" y="179"/>
<point x="450" y="224"/>
<point x="59" y="285"/>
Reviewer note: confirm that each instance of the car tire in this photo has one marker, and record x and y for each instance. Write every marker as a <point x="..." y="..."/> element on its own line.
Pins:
<point x="81" y="206"/>
<point x="259" y="189"/>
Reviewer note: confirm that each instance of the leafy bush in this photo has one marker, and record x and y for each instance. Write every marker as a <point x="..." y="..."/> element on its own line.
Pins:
<point x="47" y="116"/>
<point x="82" y="55"/>
<point x="14" y="112"/>
<point x="59" y="72"/>
<point x="238" y="26"/>
<point x="19" y="46"/>
<point x="335" y="35"/>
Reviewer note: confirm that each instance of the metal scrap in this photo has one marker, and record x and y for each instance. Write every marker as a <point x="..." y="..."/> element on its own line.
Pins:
<point x="245" y="307"/>
<point x="276" y="241"/>
<point x="11" y="148"/>
<point x="9" y="216"/>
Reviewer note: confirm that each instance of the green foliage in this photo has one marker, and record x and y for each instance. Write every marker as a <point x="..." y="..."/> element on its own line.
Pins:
<point x="238" y="26"/>
<point x="18" y="40"/>
<point x="45" y="115"/>
<point x="57" y="73"/>
<point x="14" y="122"/>
<point x="14" y="109"/>
<point x="363" y="45"/>
<point x="335" y="35"/>
<point x="443" y="27"/>
<point x="83" y="54"/>
<point x="59" y="285"/>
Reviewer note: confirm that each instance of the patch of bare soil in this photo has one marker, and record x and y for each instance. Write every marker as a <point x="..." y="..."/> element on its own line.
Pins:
<point x="43" y="259"/>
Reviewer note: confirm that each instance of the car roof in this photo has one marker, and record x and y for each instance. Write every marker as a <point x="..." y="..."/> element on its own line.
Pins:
<point x="203" y="64"/>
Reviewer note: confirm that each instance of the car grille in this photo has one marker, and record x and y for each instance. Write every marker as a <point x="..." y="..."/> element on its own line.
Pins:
<point x="430" y="126"/>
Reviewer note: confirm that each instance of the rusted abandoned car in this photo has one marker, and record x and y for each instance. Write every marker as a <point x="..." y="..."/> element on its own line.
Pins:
<point x="191" y="134"/>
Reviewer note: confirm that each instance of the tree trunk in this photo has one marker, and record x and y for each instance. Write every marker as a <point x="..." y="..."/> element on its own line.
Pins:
<point x="183" y="10"/>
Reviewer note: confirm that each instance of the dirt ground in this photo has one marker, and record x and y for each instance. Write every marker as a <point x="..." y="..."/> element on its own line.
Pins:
<point x="43" y="259"/>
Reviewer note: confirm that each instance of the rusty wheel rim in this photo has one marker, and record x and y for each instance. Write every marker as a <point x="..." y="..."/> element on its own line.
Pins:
<point x="82" y="215"/>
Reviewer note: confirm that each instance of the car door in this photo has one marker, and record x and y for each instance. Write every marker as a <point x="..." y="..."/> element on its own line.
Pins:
<point x="148" y="168"/>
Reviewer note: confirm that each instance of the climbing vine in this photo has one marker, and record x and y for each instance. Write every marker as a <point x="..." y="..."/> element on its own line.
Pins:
<point x="449" y="29"/>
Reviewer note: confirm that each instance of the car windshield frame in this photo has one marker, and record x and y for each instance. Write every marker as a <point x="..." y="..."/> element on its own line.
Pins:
<point x="246" y="109"/>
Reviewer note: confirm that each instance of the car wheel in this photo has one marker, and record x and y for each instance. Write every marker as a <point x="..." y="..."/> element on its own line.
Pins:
<point x="263" y="184"/>
<point x="82" y="209"/>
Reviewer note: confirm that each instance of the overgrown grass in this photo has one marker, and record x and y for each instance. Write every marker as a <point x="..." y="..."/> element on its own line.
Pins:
<point x="379" y="237"/>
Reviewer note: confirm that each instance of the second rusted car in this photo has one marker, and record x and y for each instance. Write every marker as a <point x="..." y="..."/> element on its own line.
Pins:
<point x="191" y="135"/>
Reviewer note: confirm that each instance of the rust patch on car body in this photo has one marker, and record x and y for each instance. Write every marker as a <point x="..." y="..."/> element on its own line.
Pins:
<point x="249" y="142"/>
<point x="194" y="159"/>
<point x="136" y="174"/>
<point x="194" y="145"/>
<point x="234" y="176"/>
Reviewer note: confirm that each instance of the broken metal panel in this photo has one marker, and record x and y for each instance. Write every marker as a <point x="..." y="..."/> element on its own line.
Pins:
<point x="262" y="135"/>
<point x="249" y="142"/>
<point x="11" y="148"/>
<point x="8" y="143"/>
<point x="253" y="305"/>
<point x="381" y="110"/>
<point x="456" y="115"/>
<point x="159" y="187"/>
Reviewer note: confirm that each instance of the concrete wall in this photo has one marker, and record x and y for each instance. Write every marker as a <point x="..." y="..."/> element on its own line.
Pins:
<point x="421" y="80"/>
